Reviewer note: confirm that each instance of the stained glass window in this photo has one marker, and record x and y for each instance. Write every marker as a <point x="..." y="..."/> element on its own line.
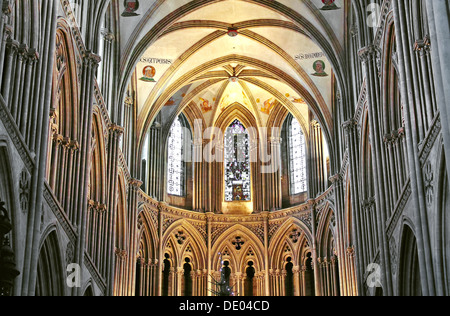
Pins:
<point x="237" y="163"/>
<point x="175" y="171"/>
<point x="297" y="158"/>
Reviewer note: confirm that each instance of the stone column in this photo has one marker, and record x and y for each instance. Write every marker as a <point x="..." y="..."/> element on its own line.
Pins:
<point x="41" y="131"/>
<point x="437" y="13"/>
<point x="407" y="84"/>
<point x="180" y="276"/>
<point x="317" y="279"/>
<point x="134" y="187"/>
<point x="277" y="197"/>
<point x="209" y="218"/>
<point x="296" y="272"/>
<point x="277" y="283"/>
<point x="369" y="57"/>
<point x="266" y="252"/>
<point x="303" y="281"/>
<point x="351" y="132"/>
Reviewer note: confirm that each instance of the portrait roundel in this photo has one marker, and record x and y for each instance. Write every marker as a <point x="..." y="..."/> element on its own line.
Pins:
<point x="149" y="73"/>
<point x="131" y="6"/>
<point x="329" y="5"/>
<point x="319" y="68"/>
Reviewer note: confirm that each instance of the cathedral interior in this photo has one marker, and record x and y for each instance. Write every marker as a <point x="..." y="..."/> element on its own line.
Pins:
<point x="268" y="147"/>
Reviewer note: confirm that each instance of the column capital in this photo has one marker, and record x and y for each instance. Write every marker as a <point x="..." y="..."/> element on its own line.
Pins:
<point x="116" y="129"/>
<point x="23" y="51"/>
<point x="350" y="251"/>
<point x="12" y="44"/>
<point x="401" y="133"/>
<point x="135" y="183"/>
<point x="423" y="46"/>
<point x="368" y="53"/>
<point x="107" y="35"/>
<point x="350" y="125"/>
<point x="314" y="123"/>
<point x="336" y="179"/>
<point x="128" y="101"/>
<point x="57" y="138"/>
<point x="311" y="203"/>
<point x="32" y="55"/>
<point x="121" y="254"/>
<point x="74" y="145"/>
<point x="90" y="58"/>
<point x="6" y="7"/>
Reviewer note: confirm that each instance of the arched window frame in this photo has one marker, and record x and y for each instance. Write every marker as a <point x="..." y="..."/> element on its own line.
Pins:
<point x="182" y="154"/>
<point x="229" y="195"/>
<point x="293" y="161"/>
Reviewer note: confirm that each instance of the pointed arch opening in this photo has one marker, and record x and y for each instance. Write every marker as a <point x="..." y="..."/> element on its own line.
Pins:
<point x="410" y="280"/>
<point x="49" y="270"/>
<point x="237" y="163"/>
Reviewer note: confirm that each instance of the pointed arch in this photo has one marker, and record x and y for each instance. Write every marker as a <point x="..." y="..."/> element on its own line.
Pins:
<point x="50" y="271"/>
<point x="442" y="225"/>
<point x="192" y="237"/>
<point x="409" y="271"/>
<point x="225" y="241"/>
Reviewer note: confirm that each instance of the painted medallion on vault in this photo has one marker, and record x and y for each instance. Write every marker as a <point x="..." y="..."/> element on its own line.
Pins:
<point x="131" y="6"/>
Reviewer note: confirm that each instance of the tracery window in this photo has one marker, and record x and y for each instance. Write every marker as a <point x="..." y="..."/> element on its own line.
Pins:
<point x="175" y="171"/>
<point x="237" y="163"/>
<point x="297" y="158"/>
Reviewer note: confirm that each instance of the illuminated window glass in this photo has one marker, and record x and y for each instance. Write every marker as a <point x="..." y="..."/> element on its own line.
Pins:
<point x="237" y="163"/>
<point x="175" y="178"/>
<point x="297" y="158"/>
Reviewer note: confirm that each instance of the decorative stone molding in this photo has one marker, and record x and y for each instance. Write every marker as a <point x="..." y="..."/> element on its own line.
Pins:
<point x="429" y="141"/>
<point x="394" y="255"/>
<point x="429" y="183"/>
<point x="398" y="211"/>
<point x="59" y="213"/>
<point x="70" y="253"/>
<point x="350" y="126"/>
<point x="24" y="188"/>
<point x="16" y="137"/>
<point x="368" y="53"/>
<point x="121" y="254"/>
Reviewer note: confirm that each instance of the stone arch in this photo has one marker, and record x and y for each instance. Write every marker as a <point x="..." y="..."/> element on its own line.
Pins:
<point x="147" y="258"/>
<point x="65" y="80"/>
<point x="238" y="256"/>
<point x="133" y="51"/>
<point x="409" y="271"/>
<point x="89" y="290"/>
<point x="7" y="192"/>
<point x="248" y="120"/>
<point x="325" y="232"/>
<point x="442" y="226"/>
<point x="192" y="238"/>
<point x="50" y="271"/>
<point x="10" y="216"/>
<point x="281" y="238"/>
<point x="95" y="242"/>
